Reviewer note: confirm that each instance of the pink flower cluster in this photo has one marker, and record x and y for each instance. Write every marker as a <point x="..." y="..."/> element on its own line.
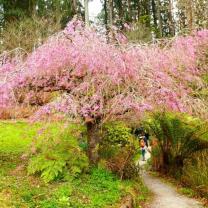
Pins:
<point x="99" y="79"/>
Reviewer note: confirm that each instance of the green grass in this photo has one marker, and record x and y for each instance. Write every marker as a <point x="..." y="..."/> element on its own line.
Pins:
<point x="15" y="137"/>
<point x="187" y="191"/>
<point x="96" y="189"/>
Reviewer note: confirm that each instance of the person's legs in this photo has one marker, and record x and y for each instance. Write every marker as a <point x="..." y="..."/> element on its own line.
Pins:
<point x="143" y="154"/>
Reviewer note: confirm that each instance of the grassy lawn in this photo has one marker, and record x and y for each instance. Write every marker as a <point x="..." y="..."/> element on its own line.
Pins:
<point x="98" y="188"/>
<point x="15" y="137"/>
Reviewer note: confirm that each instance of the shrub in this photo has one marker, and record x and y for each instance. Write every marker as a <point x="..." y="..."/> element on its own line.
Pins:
<point x="37" y="28"/>
<point x="122" y="163"/>
<point x="140" y="33"/>
<point x="58" y="156"/>
<point x="117" y="133"/>
<point x="118" y="149"/>
<point x="179" y="136"/>
<point x="17" y="112"/>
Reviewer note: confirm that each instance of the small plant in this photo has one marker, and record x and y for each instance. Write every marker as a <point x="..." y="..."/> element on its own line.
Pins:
<point x="187" y="191"/>
<point x="59" y="156"/>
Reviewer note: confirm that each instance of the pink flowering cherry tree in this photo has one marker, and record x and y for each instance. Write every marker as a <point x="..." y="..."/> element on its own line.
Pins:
<point x="97" y="81"/>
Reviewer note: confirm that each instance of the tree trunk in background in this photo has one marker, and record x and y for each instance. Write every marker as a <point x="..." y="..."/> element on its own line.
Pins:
<point x="160" y="29"/>
<point x="110" y="24"/>
<point x="154" y="14"/>
<point x="121" y="12"/>
<point x="93" y="139"/>
<point x="106" y="15"/>
<point x="170" y="17"/>
<point x="86" y="7"/>
<point x="74" y="6"/>
<point x="147" y="12"/>
<point x="138" y="10"/>
<point x="190" y="15"/>
<point x="32" y="7"/>
<point x="129" y="11"/>
<point x="110" y="5"/>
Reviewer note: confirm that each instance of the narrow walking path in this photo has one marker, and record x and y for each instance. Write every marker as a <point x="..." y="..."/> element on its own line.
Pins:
<point x="166" y="196"/>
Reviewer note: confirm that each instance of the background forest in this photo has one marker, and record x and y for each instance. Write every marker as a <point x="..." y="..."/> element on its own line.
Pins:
<point x="140" y="20"/>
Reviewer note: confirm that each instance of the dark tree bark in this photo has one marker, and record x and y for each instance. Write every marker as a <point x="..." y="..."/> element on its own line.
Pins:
<point x="120" y="11"/>
<point x="129" y="11"/>
<point x="106" y="14"/>
<point x="160" y="29"/>
<point x="74" y="6"/>
<point x="154" y="13"/>
<point x="93" y="142"/>
<point x="138" y="10"/>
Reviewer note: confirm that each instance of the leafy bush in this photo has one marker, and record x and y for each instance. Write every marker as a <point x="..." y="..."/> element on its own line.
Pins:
<point x="179" y="136"/>
<point x="58" y="156"/>
<point x="140" y="33"/>
<point x="117" y="133"/>
<point x="118" y="149"/>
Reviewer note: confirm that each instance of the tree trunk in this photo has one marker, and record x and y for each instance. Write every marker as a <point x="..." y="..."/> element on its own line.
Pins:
<point x="121" y="12"/>
<point x="32" y="7"/>
<point x="138" y="11"/>
<point x="154" y="13"/>
<point x="190" y="15"/>
<point x="87" y="21"/>
<point x="93" y="142"/>
<point x="166" y="161"/>
<point x="106" y="15"/>
<point x="74" y="6"/>
<point x="129" y="11"/>
<point x="159" y="18"/>
<point x="171" y="21"/>
<point x="110" y="35"/>
<point x="110" y="13"/>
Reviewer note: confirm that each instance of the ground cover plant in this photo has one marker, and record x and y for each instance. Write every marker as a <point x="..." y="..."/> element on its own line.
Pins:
<point x="96" y="187"/>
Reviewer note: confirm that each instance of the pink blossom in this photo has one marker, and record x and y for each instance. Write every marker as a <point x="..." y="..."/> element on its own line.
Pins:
<point x="98" y="79"/>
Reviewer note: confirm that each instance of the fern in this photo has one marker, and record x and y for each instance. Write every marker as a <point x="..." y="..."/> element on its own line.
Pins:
<point x="57" y="157"/>
<point x="179" y="136"/>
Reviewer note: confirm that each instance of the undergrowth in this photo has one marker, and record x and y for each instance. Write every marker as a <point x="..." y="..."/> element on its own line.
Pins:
<point x="58" y="156"/>
<point x="96" y="187"/>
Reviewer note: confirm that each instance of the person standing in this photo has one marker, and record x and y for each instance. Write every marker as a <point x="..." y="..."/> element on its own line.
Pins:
<point x="143" y="147"/>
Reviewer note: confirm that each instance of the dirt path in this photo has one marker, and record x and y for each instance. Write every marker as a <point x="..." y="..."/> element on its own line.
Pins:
<point x="166" y="196"/>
